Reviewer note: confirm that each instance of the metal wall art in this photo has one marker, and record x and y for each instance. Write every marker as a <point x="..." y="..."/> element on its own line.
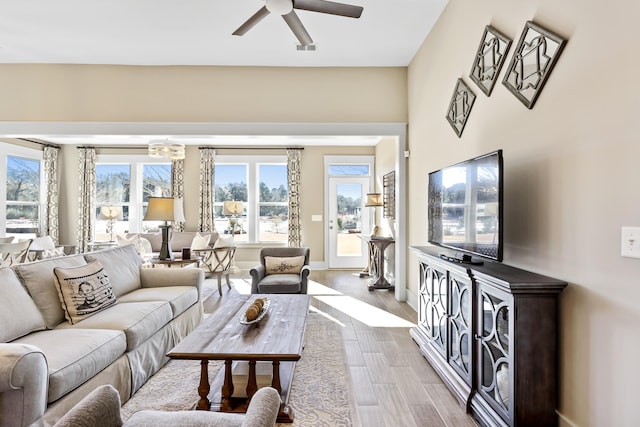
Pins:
<point x="489" y="59"/>
<point x="460" y="106"/>
<point x="535" y="55"/>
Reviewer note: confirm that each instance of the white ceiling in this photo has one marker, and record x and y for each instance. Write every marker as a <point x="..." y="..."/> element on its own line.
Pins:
<point x="198" y="32"/>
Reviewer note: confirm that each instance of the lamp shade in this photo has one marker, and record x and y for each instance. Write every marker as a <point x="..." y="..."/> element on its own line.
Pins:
<point x="232" y="207"/>
<point x="164" y="209"/>
<point x="373" y="200"/>
<point x="110" y="213"/>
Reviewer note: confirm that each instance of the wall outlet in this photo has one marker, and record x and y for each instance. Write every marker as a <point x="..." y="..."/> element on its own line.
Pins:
<point x="631" y="242"/>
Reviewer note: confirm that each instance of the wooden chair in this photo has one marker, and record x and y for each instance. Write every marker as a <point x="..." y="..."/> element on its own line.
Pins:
<point x="14" y="253"/>
<point x="217" y="262"/>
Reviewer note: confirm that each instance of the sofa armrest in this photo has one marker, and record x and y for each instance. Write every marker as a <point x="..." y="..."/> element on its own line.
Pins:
<point x="304" y="278"/>
<point x="257" y="274"/>
<point x="159" y="277"/>
<point x="24" y="379"/>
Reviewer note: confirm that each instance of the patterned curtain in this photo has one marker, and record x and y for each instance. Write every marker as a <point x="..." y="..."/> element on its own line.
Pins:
<point x="86" y="205"/>
<point x="50" y="226"/>
<point x="207" y="169"/>
<point x="293" y="176"/>
<point x="177" y="186"/>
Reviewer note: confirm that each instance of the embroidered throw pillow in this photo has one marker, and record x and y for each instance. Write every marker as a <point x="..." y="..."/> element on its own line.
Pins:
<point x="84" y="290"/>
<point x="284" y="265"/>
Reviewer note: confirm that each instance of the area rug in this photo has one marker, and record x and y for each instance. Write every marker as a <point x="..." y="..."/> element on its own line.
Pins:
<point x="320" y="395"/>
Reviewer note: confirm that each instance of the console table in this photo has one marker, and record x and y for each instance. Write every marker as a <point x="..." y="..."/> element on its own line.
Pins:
<point x="491" y="332"/>
<point x="377" y="247"/>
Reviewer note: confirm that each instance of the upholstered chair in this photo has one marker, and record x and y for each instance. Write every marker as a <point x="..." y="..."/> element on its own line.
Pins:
<point x="281" y="271"/>
<point x="101" y="407"/>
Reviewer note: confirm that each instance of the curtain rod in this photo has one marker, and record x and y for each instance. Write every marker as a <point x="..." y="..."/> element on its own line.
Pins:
<point x="116" y="147"/>
<point x="35" y="141"/>
<point x="252" y="148"/>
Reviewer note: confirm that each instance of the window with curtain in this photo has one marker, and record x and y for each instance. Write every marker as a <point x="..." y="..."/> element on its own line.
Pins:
<point x="260" y="182"/>
<point x="126" y="183"/>
<point x="23" y="197"/>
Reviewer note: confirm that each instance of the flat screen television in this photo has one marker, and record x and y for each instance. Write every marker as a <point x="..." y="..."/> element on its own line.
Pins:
<point x="465" y="209"/>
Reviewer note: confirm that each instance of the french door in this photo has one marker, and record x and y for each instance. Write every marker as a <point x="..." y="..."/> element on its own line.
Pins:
<point x="348" y="220"/>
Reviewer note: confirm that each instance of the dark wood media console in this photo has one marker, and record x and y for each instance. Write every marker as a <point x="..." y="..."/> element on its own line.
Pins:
<point x="491" y="333"/>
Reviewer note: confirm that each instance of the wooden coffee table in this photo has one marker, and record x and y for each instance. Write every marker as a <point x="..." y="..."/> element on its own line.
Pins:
<point x="277" y="338"/>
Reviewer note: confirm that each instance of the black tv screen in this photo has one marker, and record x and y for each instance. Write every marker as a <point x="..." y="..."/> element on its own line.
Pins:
<point x="465" y="207"/>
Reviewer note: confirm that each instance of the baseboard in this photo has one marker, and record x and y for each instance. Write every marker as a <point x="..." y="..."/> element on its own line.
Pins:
<point x="412" y="300"/>
<point x="564" y="421"/>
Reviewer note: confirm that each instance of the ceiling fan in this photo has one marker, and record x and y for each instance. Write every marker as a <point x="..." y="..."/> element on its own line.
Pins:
<point x="285" y="8"/>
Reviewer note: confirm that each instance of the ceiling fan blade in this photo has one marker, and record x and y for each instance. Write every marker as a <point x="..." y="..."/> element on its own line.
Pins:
<point x="251" y="22"/>
<point x="324" y="6"/>
<point x="298" y="29"/>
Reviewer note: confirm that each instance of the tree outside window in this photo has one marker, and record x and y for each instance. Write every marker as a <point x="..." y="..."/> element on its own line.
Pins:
<point x="113" y="188"/>
<point x="273" y="203"/>
<point x="23" y="197"/>
<point x="231" y="184"/>
<point x="156" y="182"/>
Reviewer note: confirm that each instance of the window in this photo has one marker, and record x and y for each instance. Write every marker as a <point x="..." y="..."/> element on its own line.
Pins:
<point x="260" y="182"/>
<point x="23" y="196"/>
<point x="126" y="183"/>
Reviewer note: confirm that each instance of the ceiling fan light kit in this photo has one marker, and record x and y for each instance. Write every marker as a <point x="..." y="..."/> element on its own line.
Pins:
<point x="286" y="8"/>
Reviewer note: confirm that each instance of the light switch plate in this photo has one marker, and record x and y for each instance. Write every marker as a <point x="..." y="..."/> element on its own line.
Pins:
<point x="631" y="242"/>
<point x="316" y="218"/>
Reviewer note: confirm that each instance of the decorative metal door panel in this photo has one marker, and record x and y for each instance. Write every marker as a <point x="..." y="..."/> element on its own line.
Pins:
<point x="494" y="357"/>
<point x="433" y="313"/>
<point x="460" y="331"/>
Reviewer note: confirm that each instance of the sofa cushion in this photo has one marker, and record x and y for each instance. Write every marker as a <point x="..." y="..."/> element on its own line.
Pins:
<point x="75" y="355"/>
<point x="179" y="297"/>
<point x="122" y="264"/>
<point x="83" y="290"/>
<point x="284" y="265"/>
<point x="154" y="238"/>
<point x="39" y="280"/>
<point x="18" y="313"/>
<point x="280" y="283"/>
<point x="138" y="320"/>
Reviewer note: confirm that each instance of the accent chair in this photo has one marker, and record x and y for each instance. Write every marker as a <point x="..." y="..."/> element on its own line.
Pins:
<point x="281" y="271"/>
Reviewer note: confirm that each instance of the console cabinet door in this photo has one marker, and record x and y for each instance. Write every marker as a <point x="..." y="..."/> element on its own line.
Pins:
<point x="460" y="324"/>
<point x="433" y="306"/>
<point x="495" y="328"/>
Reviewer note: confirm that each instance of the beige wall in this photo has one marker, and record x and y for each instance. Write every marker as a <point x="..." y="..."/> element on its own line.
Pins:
<point x="85" y="93"/>
<point x="386" y="160"/>
<point x="571" y="178"/>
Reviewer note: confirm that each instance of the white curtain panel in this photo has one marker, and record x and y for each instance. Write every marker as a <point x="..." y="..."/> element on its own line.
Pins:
<point x="50" y="225"/>
<point x="293" y="176"/>
<point x="207" y="170"/>
<point x="86" y="209"/>
<point x="177" y="186"/>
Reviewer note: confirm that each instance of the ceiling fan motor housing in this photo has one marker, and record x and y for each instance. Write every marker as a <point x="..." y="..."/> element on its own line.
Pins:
<point x="280" y="7"/>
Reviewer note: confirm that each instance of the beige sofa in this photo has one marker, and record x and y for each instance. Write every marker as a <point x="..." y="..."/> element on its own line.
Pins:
<point x="47" y="364"/>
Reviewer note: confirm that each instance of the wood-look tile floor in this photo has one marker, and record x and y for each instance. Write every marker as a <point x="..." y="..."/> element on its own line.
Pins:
<point x="392" y="384"/>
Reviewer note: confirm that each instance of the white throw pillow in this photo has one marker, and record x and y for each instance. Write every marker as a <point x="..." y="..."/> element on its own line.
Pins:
<point x="142" y="245"/>
<point x="200" y="241"/>
<point x="224" y="241"/>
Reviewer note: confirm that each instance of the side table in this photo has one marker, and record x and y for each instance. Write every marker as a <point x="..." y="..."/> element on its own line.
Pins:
<point x="376" y="264"/>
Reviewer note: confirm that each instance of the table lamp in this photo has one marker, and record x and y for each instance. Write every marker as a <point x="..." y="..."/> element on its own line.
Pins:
<point x="233" y="208"/>
<point x="165" y="209"/>
<point x="374" y="200"/>
<point x="110" y="214"/>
